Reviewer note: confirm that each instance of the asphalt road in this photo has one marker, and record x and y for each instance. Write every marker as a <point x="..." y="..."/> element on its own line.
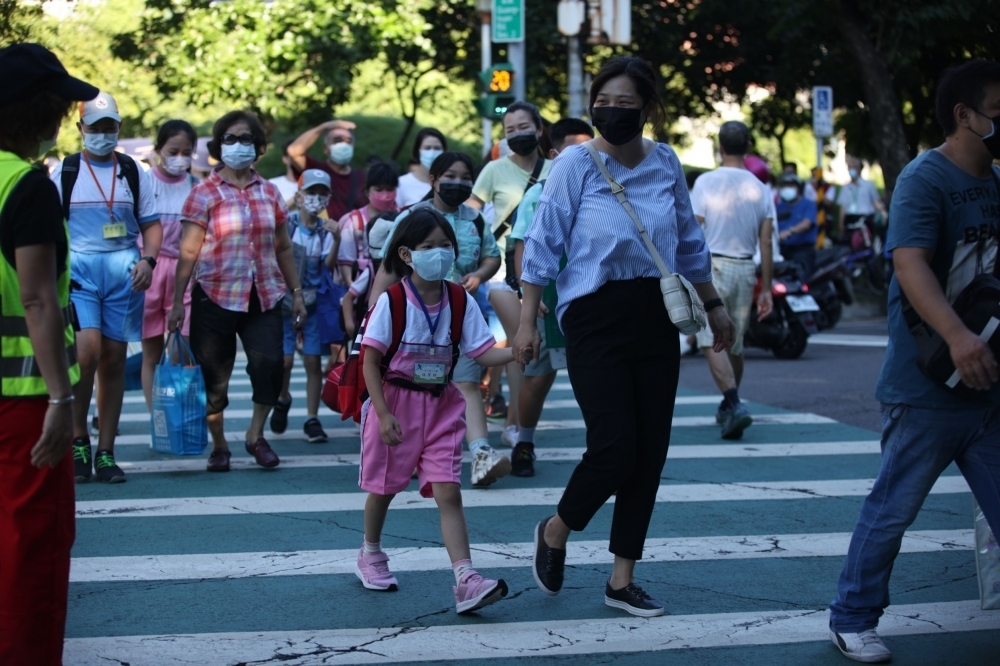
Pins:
<point x="830" y="380"/>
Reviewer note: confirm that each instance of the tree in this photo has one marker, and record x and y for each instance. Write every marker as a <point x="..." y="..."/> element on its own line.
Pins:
<point x="19" y="21"/>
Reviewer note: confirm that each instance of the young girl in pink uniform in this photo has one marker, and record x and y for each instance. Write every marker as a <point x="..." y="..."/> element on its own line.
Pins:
<point x="416" y="416"/>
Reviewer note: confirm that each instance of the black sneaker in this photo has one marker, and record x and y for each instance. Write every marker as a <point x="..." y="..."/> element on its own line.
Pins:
<point x="279" y="417"/>
<point x="107" y="470"/>
<point x="735" y="422"/>
<point x="549" y="562"/>
<point x="497" y="409"/>
<point x="313" y="430"/>
<point x="82" y="463"/>
<point x="632" y="599"/>
<point x="522" y="460"/>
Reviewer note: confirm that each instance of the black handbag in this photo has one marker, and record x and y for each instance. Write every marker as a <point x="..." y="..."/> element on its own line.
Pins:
<point x="978" y="306"/>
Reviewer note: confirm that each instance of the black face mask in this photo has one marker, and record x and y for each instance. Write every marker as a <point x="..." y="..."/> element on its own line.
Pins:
<point x="992" y="140"/>
<point x="454" y="192"/>
<point x="523" y="144"/>
<point x="617" y="125"/>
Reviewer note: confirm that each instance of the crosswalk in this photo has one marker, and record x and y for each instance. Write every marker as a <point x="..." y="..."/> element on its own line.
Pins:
<point x="178" y="566"/>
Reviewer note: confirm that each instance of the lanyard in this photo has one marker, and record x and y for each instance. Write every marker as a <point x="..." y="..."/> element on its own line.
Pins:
<point x="114" y="181"/>
<point x="427" y="315"/>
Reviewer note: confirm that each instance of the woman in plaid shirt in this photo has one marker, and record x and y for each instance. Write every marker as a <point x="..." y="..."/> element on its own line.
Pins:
<point x="234" y="230"/>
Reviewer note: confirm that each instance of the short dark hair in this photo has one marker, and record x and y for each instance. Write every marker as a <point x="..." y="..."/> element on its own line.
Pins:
<point x="643" y="78"/>
<point x="411" y="232"/>
<point x="734" y="138"/>
<point x="965" y="84"/>
<point x="26" y="121"/>
<point x="284" y="147"/>
<point x="532" y="110"/>
<point x="444" y="161"/>
<point x="223" y="124"/>
<point x="423" y="134"/>
<point x="792" y="165"/>
<point x="381" y="174"/>
<point x="568" y="127"/>
<point x="172" y="128"/>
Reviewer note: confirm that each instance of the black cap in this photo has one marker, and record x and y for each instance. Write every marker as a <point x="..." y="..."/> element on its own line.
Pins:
<point x="790" y="179"/>
<point x="29" y="68"/>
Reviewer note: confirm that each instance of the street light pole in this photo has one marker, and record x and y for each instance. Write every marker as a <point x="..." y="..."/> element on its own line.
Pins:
<point x="485" y="9"/>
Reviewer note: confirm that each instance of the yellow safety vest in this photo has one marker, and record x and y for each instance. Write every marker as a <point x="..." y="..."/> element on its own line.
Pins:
<point x="19" y="373"/>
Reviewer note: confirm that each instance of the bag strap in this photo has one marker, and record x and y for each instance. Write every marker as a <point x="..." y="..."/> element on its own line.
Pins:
<point x="67" y="180"/>
<point x="509" y="222"/>
<point x="177" y="344"/>
<point x="397" y="311"/>
<point x="458" y="300"/>
<point x="619" y="191"/>
<point x="130" y="170"/>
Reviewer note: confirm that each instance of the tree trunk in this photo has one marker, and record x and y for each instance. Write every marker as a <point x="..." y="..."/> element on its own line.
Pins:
<point x="410" y="122"/>
<point x="781" y="148"/>
<point x="883" y="104"/>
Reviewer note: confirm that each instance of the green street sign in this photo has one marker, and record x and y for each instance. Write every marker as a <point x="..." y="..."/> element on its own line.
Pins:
<point x="508" y="21"/>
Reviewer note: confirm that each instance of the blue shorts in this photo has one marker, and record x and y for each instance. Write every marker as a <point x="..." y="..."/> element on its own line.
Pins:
<point x="310" y="336"/>
<point x="104" y="299"/>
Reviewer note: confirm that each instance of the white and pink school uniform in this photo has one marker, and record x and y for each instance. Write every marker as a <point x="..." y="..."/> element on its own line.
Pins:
<point x="433" y="427"/>
<point x="170" y="193"/>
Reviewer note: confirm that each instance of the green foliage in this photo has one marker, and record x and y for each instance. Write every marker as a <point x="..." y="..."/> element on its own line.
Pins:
<point x="21" y="22"/>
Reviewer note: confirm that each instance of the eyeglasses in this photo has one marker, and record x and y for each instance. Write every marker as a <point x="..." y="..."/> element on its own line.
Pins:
<point x="233" y="139"/>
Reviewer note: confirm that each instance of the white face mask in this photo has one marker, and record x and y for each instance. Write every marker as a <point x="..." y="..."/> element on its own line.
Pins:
<point x="432" y="265"/>
<point x="100" y="144"/>
<point x="789" y="193"/>
<point x="238" y="156"/>
<point x="175" y="165"/>
<point x="314" y="204"/>
<point x="428" y="156"/>
<point x="341" y="153"/>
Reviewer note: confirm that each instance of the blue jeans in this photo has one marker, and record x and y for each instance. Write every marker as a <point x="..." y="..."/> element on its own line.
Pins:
<point x="917" y="446"/>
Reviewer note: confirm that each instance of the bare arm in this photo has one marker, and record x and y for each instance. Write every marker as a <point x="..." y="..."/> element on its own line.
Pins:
<point x="389" y="428"/>
<point x="383" y="280"/>
<point x="297" y="149"/>
<point x="286" y="264"/>
<point x="152" y="239"/>
<point x="765" y="302"/>
<point x="518" y="258"/>
<point x="331" y="258"/>
<point x="347" y="309"/>
<point x="528" y="341"/>
<point x="972" y="357"/>
<point x="718" y="319"/>
<point x="36" y="271"/>
<point x="494" y="357"/>
<point x="192" y="238"/>
<point x="475" y="202"/>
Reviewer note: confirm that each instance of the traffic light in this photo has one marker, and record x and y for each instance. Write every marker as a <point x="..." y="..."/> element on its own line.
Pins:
<point x="497" y="83"/>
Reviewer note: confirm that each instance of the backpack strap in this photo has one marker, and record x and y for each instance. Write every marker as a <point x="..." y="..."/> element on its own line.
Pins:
<point x="397" y="311"/>
<point x="67" y="179"/>
<point x="480" y="223"/>
<point x="130" y="170"/>
<point x="458" y="300"/>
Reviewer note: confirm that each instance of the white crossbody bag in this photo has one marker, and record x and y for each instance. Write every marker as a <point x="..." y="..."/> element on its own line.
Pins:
<point x="684" y="306"/>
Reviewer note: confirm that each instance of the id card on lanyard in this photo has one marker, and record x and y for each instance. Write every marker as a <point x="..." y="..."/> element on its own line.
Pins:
<point x="113" y="228"/>
<point x="431" y="366"/>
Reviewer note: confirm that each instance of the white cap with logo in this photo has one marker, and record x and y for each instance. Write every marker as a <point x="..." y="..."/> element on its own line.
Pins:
<point x="101" y="107"/>
<point x="311" y="177"/>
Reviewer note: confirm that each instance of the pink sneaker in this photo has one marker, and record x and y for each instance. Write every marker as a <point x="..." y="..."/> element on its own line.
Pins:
<point x="475" y="592"/>
<point x="373" y="571"/>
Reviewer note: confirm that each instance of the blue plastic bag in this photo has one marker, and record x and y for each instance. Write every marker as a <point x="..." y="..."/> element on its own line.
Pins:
<point x="133" y="367"/>
<point x="328" y="298"/>
<point x="178" y="422"/>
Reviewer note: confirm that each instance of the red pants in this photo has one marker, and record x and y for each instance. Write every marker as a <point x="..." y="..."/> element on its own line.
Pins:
<point x="36" y="533"/>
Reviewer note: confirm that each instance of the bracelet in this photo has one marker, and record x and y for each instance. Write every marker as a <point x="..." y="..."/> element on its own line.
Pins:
<point x="296" y="290"/>
<point x="712" y="304"/>
<point x="62" y="401"/>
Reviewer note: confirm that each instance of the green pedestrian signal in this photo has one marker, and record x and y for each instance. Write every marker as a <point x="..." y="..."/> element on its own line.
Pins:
<point x="497" y="83"/>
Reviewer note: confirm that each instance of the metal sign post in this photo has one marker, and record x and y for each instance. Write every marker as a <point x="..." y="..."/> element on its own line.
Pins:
<point x="508" y="28"/>
<point x="822" y="108"/>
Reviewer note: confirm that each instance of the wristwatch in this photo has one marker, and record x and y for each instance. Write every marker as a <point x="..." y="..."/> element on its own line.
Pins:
<point x="151" y="261"/>
<point x="712" y="304"/>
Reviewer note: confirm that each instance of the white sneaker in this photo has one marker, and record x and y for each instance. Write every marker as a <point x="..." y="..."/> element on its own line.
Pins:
<point x="488" y="466"/>
<point x="509" y="436"/>
<point x="866" y="646"/>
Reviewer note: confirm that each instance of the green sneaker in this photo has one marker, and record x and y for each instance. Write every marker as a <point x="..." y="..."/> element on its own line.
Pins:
<point x="82" y="465"/>
<point x="107" y="470"/>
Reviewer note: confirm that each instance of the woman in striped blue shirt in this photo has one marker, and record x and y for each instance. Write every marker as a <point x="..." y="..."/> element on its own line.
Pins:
<point x="622" y="349"/>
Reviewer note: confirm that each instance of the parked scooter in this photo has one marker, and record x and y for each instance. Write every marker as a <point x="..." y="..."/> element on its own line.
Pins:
<point x="787" y="329"/>
<point x="831" y="286"/>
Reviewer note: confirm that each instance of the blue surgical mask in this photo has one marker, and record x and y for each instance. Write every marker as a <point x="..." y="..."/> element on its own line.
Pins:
<point x="341" y="153"/>
<point x="238" y="156"/>
<point x="853" y="173"/>
<point x="100" y="144"/>
<point x="789" y="193"/>
<point x="432" y="265"/>
<point x="428" y="156"/>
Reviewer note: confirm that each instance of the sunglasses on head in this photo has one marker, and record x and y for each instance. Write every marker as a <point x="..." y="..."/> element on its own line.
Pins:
<point x="233" y="139"/>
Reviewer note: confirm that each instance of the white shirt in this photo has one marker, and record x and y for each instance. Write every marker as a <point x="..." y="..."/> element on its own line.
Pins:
<point x="733" y="205"/>
<point x="288" y="188"/>
<point x="855" y="199"/>
<point x="410" y="190"/>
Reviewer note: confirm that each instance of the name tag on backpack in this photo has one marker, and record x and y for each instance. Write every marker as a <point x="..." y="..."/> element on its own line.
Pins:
<point x="114" y="230"/>
<point x="430" y="373"/>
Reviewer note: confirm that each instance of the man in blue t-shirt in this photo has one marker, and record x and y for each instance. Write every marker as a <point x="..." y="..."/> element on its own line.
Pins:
<point x="945" y="211"/>
<point x="796" y="223"/>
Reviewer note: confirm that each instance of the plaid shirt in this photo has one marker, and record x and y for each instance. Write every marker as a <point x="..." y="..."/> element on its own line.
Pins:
<point x="238" y="251"/>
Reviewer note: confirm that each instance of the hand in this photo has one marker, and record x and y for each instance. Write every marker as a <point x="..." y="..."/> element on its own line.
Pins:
<point x="142" y="276"/>
<point x="527" y="343"/>
<point x="722" y="328"/>
<point x="783" y="235"/>
<point x="57" y="433"/>
<point x="543" y="310"/>
<point x="339" y="124"/>
<point x="298" y="311"/>
<point x="765" y="304"/>
<point x="471" y="282"/>
<point x="176" y="317"/>
<point x="391" y="431"/>
<point x="333" y="226"/>
<point x="974" y="361"/>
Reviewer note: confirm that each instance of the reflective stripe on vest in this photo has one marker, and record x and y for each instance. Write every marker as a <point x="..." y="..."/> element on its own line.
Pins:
<point x="20" y="375"/>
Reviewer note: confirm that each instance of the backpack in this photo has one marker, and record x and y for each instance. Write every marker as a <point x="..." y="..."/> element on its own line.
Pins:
<point x="345" y="391"/>
<point x="479" y="222"/>
<point x="127" y="169"/>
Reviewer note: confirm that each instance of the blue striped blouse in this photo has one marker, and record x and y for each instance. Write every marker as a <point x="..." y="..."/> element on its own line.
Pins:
<point x="577" y="213"/>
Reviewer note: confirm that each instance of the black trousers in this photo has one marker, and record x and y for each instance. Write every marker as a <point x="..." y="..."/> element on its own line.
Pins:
<point x="623" y="356"/>
<point x="804" y="255"/>
<point x="213" y="341"/>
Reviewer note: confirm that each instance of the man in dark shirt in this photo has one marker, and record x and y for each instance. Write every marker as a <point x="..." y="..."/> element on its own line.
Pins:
<point x="347" y="183"/>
